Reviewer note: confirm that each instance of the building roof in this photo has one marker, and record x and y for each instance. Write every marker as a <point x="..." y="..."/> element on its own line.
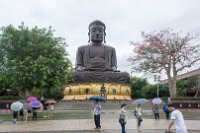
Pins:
<point x="183" y="76"/>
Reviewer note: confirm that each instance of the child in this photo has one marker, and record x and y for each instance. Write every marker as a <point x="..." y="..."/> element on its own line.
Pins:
<point x="156" y="112"/>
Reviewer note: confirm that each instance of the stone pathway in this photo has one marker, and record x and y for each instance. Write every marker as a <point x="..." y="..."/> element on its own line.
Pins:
<point x="105" y="131"/>
<point x="108" y="125"/>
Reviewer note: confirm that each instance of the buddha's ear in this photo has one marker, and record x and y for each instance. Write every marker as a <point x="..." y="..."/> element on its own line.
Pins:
<point x="89" y="37"/>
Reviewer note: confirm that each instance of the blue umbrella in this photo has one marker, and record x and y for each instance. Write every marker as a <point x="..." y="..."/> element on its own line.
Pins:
<point x="97" y="98"/>
<point x="35" y="104"/>
<point x="140" y="101"/>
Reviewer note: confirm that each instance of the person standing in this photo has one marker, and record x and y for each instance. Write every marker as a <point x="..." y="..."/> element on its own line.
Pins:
<point x="21" y="114"/>
<point x="138" y="115"/>
<point x="29" y="111"/>
<point x="15" y="117"/>
<point x="45" y="110"/>
<point x="177" y="120"/>
<point x="34" y="111"/>
<point x="156" y="111"/>
<point x="169" y="100"/>
<point x="25" y="114"/>
<point x="97" y="112"/>
<point x="7" y="107"/>
<point x="122" y="117"/>
<point x="51" y="109"/>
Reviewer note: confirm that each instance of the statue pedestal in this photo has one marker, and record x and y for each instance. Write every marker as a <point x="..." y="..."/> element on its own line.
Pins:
<point x="83" y="91"/>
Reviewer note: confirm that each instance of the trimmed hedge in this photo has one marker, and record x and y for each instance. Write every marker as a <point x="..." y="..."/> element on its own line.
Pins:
<point x="186" y="98"/>
<point x="183" y="98"/>
<point x="10" y="98"/>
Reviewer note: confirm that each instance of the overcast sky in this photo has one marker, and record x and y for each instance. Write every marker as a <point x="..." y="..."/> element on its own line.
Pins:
<point x="125" y="19"/>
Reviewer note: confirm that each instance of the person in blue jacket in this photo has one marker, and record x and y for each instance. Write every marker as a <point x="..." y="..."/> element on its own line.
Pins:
<point x="165" y="109"/>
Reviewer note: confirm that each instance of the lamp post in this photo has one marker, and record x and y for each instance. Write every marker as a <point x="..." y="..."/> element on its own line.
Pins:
<point x="103" y="91"/>
<point x="157" y="79"/>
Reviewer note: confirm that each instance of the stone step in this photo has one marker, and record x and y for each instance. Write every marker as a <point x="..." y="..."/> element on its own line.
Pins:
<point x="88" y="105"/>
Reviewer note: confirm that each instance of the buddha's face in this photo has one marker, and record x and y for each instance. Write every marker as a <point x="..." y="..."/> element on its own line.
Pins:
<point x="97" y="33"/>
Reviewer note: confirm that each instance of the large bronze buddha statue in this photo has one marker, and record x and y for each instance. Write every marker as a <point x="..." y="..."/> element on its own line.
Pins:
<point x="97" y="61"/>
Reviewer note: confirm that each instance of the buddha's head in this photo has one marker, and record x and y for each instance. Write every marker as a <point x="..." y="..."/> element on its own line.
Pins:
<point x="97" y="31"/>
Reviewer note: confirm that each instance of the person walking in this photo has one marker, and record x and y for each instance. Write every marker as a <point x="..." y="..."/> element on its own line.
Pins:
<point x="34" y="111"/>
<point x="138" y="115"/>
<point x="177" y="120"/>
<point x="97" y="112"/>
<point x="156" y="111"/>
<point x="122" y="117"/>
<point x="165" y="109"/>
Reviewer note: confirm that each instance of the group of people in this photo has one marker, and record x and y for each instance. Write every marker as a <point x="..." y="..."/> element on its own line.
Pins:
<point x="27" y="112"/>
<point x="176" y="117"/>
<point x="24" y="114"/>
<point x="123" y="117"/>
<point x="48" y="109"/>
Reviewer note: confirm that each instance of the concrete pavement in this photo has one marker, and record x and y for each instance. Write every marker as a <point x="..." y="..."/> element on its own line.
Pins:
<point x="108" y="125"/>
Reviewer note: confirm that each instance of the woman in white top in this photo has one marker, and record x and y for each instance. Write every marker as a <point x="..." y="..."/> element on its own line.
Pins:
<point x="122" y="118"/>
<point x="138" y="115"/>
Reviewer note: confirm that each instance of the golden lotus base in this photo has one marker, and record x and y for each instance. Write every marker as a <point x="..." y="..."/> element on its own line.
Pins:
<point x="83" y="91"/>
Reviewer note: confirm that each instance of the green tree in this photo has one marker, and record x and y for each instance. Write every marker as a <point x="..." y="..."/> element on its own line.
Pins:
<point x="150" y="91"/>
<point x="33" y="59"/>
<point x="187" y="84"/>
<point x="141" y="88"/>
<point x="136" y="86"/>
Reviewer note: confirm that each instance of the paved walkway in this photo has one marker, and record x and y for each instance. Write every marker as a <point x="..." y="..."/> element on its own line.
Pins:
<point x="105" y="131"/>
<point x="108" y="125"/>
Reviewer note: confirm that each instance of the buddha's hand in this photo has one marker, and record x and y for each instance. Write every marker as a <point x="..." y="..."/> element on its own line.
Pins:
<point x="80" y="68"/>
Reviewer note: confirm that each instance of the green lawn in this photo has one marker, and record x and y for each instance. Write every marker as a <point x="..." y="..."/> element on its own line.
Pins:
<point x="188" y="115"/>
<point x="56" y="116"/>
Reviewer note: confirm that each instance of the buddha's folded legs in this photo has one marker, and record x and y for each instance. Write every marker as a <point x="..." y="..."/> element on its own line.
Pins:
<point x="102" y="76"/>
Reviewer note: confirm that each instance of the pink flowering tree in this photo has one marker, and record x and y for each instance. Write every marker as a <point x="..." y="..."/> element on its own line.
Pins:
<point x="166" y="51"/>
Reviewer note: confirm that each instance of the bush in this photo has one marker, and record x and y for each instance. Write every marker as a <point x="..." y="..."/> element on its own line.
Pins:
<point x="187" y="98"/>
<point x="10" y="98"/>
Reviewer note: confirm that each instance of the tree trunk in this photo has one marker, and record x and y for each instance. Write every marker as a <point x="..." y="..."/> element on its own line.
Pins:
<point x="170" y="86"/>
<point x="170" y="82"/>
<point x="173" y="93"/>
<point x="25" y="93"/>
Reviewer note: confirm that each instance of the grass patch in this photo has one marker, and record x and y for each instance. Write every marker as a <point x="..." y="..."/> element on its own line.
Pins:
<point x="56" y="116"/>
